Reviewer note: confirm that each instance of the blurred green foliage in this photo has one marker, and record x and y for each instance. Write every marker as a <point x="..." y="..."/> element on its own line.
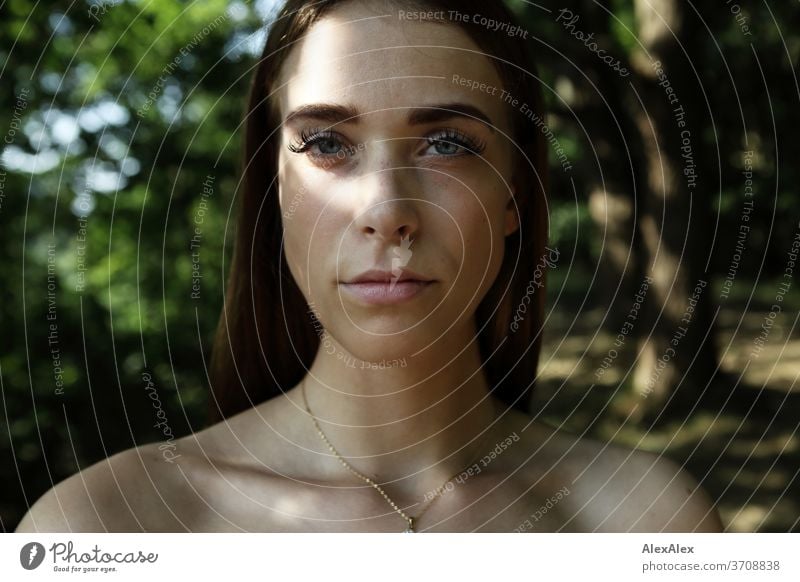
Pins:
<point x="119" y="113"/>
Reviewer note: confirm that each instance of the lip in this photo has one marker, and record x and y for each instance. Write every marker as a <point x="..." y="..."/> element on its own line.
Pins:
<point x="380" y="293"/>
<point x="377" y="287"/>
<point x="378" y="276"/>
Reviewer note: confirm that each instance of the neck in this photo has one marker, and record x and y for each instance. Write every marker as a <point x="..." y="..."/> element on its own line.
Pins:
<point x="411" y="423"/>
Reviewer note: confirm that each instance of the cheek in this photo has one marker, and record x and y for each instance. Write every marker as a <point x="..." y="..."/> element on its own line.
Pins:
<point x="472" y="231"/>
<point x="483" y="246"/>
<point x="475" y="216"/>
<point x="311" y="232"/>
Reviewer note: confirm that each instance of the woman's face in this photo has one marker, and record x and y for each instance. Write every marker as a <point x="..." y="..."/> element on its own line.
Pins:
<point x="390" y="161"/>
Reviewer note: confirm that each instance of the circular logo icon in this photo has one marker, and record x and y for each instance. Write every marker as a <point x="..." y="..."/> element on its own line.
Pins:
<point x="31" y="555"/>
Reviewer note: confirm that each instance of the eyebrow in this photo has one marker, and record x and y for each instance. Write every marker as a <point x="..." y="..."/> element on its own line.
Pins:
<point x="335" y="114"/>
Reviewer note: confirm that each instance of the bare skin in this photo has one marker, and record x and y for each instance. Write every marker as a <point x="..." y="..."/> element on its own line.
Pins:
<point x="409" y="428"/>
<point x="216" y="484"/>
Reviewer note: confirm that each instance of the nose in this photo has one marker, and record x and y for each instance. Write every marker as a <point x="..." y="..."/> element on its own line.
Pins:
<point x="389" y="212"/>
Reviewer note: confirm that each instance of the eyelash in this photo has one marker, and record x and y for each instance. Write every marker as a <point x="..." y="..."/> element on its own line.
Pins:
<point x="468" y="145"/>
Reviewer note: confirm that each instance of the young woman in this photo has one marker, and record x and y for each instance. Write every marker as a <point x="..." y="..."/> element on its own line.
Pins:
<point x="384" y="311"/>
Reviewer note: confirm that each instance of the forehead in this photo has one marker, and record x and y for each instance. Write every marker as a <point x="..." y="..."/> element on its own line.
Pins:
<point x="375" y="58"/>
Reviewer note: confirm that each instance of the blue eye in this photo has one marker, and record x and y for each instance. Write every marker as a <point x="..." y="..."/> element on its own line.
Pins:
<point x="326" y="142"/>
<point x="445" y="148"/>
<point x="328" y="145"/>
<point x="452" y="143"/>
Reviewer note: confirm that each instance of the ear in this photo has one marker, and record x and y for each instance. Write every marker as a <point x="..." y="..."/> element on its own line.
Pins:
<point x="512" y="212"/>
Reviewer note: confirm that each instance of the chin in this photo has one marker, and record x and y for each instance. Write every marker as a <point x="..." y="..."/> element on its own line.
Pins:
<point x="398" y="335"/>
<point x="383" y="356"/>
<point x="376" y="339"/>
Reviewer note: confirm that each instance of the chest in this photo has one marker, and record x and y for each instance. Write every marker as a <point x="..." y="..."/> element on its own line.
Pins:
<point x="493" y="505"/>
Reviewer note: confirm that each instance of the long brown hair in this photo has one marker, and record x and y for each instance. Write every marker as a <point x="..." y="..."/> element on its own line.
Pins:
<point x="258" y="351"/>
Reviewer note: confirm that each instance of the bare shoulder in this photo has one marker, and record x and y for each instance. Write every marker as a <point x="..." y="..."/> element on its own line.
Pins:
<point x="159" y="487"/>
<point x="122" y="493"/>
<point x="615" y="489"/>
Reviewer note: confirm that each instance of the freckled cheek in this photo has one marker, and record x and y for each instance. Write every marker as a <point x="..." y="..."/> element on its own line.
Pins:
<point x="476" y="238"/>
<point x="482" y="247"/>
<point x="312" y="233"/>
<point x="476" y="211"/>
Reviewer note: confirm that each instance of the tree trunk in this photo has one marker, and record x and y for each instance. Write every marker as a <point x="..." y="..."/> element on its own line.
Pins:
<point x="612" y="162"/>
<point x="678" y="357"/>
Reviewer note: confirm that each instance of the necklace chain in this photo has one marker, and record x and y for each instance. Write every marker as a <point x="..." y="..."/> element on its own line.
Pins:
<point x="411" y="520"/>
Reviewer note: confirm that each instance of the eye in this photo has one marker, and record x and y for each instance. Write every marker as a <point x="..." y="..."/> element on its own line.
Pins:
<point x="451" y="143"/>
<point x="319" y="144"/>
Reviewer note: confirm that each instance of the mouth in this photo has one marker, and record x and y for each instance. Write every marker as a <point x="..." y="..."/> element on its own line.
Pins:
<point x="398" y="276"/>
<point x="386" y="288"/>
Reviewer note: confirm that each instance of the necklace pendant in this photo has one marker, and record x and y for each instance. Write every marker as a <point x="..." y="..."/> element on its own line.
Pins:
<point x="410" y="528"/>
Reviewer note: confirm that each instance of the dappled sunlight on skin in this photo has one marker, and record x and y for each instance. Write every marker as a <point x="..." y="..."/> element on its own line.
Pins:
<point x="129" y="147"/>
<point x="379" y="146"/>
<point x="387" y="184"/>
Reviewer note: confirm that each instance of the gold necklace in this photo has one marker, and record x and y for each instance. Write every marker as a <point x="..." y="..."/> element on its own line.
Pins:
<point x="412" y="521"/>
